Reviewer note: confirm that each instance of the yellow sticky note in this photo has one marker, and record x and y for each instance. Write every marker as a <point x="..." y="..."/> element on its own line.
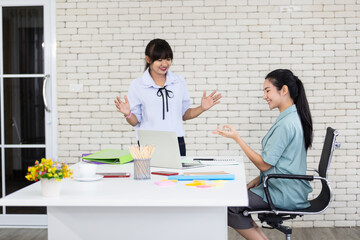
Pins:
<point x="195" y="184"/>
<point x="219" y="181"/>
<point x="199" y="181"/>
<point x="166" y="180"/>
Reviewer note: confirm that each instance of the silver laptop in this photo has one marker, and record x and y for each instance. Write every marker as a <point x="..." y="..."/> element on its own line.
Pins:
<point x="166" y="153"/>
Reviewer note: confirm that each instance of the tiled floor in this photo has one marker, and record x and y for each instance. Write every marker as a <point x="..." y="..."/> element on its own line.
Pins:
<point x="308" y="234"/>
<point x="298" y="234"/>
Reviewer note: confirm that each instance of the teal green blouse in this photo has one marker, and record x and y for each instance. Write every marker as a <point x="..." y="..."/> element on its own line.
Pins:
<point x="283" y="147"/>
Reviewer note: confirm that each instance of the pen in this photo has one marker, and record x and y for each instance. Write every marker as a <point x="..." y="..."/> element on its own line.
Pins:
<point x="203" y="159"/>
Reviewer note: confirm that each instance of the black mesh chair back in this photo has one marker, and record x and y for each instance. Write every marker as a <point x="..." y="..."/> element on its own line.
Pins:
<point x="322" y="201"/>
<point x="327" y="151"/>
<point x="275" y="217"/>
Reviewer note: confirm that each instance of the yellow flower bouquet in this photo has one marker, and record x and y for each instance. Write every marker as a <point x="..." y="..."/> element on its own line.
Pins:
<point x="49" y="170"/>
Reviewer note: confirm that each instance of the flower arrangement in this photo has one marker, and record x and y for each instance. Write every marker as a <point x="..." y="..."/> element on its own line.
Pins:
<point x="48" y="169"/>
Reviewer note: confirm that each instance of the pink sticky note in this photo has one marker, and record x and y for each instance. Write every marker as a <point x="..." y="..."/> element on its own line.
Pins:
<point x="165" y="183"/>
<point x="203" y="186"/>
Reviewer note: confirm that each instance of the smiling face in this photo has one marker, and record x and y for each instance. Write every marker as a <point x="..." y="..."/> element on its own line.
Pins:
<point x="160" y="67"/>
<point x="272" y="95"/>
<point x="158" y="56"/>
<point x="277" y="98"/>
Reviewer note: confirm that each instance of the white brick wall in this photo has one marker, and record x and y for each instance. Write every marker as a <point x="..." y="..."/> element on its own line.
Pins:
<point x="225" y="45"/>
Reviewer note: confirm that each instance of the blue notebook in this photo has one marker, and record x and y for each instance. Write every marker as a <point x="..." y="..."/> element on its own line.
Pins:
<point x="202" y="177"/>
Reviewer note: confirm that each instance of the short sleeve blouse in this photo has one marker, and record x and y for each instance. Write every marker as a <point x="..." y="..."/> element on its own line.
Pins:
<point x="283" y="147"/>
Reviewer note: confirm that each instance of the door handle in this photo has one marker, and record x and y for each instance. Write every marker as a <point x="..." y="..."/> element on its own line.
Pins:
<point x="44" y="93"/>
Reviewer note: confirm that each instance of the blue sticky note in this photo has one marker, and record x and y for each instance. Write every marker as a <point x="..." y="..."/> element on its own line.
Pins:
<point x="202" y="177"/>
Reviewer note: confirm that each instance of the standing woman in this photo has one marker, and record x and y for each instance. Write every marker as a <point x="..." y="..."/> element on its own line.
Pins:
<point x="284" y="150"/>
<point x="159" y="100"/>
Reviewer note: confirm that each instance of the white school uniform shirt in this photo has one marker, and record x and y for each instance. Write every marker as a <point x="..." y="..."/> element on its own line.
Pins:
<point x="149" y="104"/>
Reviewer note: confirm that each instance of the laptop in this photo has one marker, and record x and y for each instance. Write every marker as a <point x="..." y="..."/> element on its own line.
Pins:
<point x="166" y="153"/>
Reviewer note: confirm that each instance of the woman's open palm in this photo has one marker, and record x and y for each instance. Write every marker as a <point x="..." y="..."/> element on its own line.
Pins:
<point x="209" y="101"/>
<point x="123" y="107"/>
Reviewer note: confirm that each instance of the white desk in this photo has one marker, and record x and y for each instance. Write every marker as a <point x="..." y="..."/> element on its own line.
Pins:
<point x="124" y="208"/>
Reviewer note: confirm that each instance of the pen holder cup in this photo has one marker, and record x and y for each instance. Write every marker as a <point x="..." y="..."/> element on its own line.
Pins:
<point x="142" y="169"/>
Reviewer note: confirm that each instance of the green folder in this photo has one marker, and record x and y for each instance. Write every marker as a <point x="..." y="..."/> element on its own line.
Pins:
<point x="110" y="156"/>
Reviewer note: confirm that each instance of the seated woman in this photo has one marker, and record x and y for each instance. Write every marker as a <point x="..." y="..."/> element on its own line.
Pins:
<point x="284" y="150"/>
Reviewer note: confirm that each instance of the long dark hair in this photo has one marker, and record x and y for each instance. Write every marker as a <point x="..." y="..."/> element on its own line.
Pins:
<point x="158" y="49"/>
<point x="281" y="77"/>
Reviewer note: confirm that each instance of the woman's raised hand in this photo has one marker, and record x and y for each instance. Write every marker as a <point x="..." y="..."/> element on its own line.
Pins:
<point x="227" y="131"/>
<point x="209" y="101"/>
<point x="123" y="107"/>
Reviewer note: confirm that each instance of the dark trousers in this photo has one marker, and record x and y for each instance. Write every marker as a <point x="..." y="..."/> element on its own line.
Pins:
<point x="182" y="146"/>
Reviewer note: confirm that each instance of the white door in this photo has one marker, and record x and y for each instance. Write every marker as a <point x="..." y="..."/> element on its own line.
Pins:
<point x="27" y="99"/>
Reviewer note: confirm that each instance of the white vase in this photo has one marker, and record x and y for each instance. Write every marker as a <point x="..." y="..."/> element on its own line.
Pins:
<point x="50" y="187"/>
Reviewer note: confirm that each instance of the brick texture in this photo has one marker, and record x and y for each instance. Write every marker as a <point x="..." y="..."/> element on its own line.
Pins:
<point x="225" y="45"/>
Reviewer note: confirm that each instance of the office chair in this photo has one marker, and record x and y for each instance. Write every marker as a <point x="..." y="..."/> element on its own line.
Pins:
<point x="275" y="217"/>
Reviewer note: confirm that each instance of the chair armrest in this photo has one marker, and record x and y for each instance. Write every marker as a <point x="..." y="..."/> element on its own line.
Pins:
<point x="283" y="176"/>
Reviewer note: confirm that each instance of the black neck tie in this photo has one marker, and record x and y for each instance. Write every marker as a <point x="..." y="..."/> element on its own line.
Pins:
<point x="168" y="94"/>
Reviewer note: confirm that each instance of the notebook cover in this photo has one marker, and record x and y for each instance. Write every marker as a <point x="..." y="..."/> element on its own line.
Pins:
<point x="110" y="156"/>
<point x="202" y="177"/>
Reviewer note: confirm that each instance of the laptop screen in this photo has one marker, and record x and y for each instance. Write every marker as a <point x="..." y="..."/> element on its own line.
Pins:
<point x="166" y="153"/>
